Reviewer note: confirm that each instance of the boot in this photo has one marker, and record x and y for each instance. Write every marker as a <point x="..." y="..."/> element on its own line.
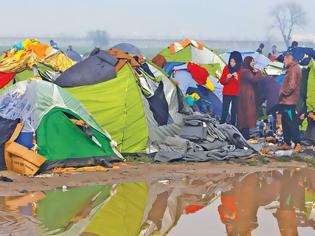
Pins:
<point x="298" y="148"/>
<point x="284" y="147"/>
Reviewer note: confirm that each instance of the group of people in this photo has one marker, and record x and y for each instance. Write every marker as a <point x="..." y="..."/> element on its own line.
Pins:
<point x="70" y="52"/>
<point x="239" y="78"/>
<point x="274" y="54"/>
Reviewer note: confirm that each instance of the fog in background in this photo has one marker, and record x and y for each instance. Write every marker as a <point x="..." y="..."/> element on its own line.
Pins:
<point x="219" y="21"/>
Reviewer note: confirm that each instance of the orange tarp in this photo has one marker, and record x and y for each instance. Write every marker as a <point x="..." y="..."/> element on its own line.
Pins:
<point x="177" y="46"/>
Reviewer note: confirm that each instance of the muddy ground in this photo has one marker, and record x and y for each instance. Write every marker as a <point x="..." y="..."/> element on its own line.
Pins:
<point x="136" y="172"/>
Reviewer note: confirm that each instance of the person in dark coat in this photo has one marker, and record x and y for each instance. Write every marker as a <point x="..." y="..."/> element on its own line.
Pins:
<point x="73" y="55"/>
<point x="230" y="79"/>
<point x="246" y="106"/>
<point x="289" y="96"/>
<point x="294" y="44"/>
<point x="260" y="48"/>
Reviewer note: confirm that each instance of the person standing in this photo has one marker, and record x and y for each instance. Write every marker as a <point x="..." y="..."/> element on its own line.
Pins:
<point x="230" y="79"/>
<point x="54" y="45"/>
<point x="260" y="48"/>
<point x="289" y="96"/>
<point x="294" y="44"/>
<point x="73" y="55"/>
<point x="274" y="53"/>
<point x="246" y="105"/>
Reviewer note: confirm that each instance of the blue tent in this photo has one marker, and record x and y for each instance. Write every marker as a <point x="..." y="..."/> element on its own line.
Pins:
<point x="209" y="101"/>
<point x="303" y="55"/>
<point x="261" y="60"/>
<point x="129" y="48"/>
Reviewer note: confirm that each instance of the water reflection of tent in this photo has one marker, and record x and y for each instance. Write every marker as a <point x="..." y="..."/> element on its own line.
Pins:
<point x="59" y="210"/>
<point x="167" y="203"/>
<point x="122" y="213"/>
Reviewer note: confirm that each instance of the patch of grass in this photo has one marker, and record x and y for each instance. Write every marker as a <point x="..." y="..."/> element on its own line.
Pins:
<point x="252" y="162"/>
<point x="255" y="160"/>
<point x="283" y="159"/>
<point x="309" y="160"/>
<point x="138" y="159"/>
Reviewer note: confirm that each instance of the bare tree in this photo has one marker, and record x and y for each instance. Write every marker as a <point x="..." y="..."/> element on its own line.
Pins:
<point x="287" y="17"/>
<point x="100" y="38"/>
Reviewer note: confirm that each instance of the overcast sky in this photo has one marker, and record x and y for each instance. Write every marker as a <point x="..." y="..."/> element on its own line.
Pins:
<point x="203" y="19"/>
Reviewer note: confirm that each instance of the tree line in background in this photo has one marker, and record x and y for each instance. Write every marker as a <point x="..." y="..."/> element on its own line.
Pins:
<point x="286" y="18"/>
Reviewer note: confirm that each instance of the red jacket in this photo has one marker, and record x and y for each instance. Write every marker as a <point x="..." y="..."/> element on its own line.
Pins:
<point x="232" y="86"/>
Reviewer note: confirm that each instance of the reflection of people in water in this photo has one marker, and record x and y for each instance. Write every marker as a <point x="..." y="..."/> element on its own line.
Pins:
<point x="310" y="198"/>
<point x="239" y="207"/>
<point x="292" y="196"/>
<point x="296" y="201"/>
<point x="167" y="203"/>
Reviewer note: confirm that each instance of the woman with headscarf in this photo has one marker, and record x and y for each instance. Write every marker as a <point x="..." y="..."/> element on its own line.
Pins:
<point x="230" y="79"/>
<point x="246" y="107"/>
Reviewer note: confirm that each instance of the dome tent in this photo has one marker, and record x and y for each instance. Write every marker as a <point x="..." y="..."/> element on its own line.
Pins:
<point x="175" y="60"/>
<point x="129" y="48"/>
<point x="136" y="108"/>
<point x="192" y="51"/>
<point x="58" y="123"/>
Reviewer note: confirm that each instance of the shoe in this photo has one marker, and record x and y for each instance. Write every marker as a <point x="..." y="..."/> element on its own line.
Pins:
<point x="298" y="148"/>
<point x="284" y="146"/>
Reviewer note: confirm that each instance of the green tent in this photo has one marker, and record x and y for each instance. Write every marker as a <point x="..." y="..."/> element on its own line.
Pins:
<point x="204" y="56"/>
<point x="310" y="99"/>
<point x="49" y="113"/>
<point x="127" y="104"/>
<point x="117" y="106"/>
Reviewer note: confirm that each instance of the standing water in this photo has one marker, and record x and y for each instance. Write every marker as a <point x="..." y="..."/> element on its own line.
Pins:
<point x="278" y="202"/>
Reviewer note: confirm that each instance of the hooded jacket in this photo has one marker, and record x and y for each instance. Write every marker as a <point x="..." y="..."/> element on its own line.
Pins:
<point x="290" y="89"/>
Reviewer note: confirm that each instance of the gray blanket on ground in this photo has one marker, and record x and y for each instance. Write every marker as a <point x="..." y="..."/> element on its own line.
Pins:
<point x="203" y="139"/>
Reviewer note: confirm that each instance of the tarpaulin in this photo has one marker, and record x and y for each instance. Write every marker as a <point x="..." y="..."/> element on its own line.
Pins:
<point x="5" y="78"/>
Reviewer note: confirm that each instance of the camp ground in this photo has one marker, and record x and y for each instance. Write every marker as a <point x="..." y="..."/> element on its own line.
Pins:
<point x="115" y="103"/>
<point x="157" y="118"/>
